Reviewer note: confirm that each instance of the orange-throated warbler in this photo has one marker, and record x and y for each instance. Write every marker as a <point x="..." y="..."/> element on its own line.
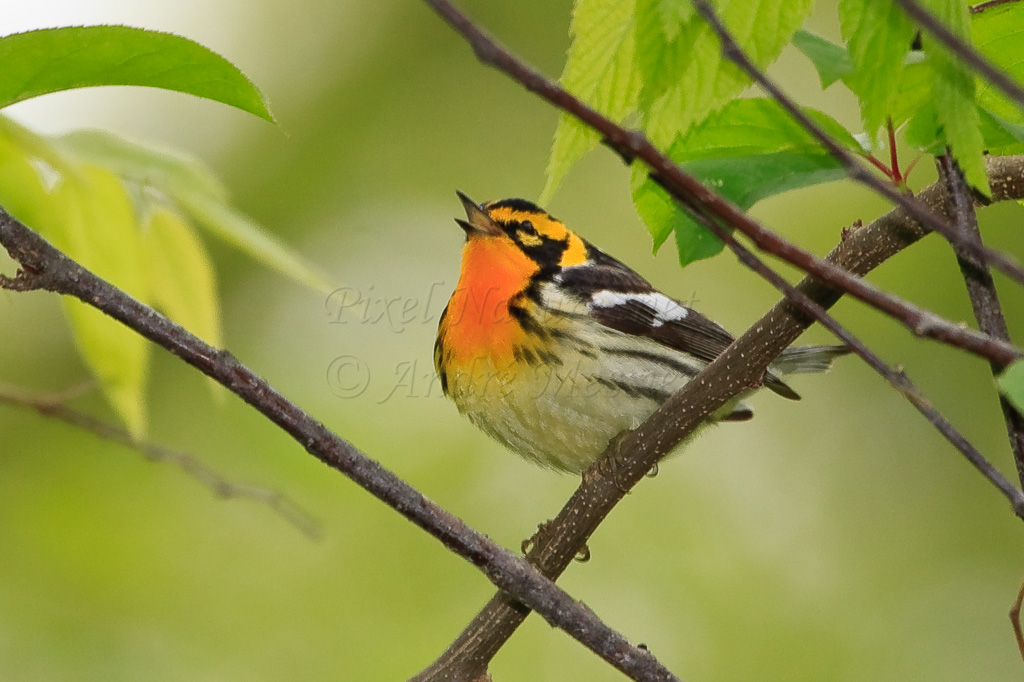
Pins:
<point x="554" y="348"/>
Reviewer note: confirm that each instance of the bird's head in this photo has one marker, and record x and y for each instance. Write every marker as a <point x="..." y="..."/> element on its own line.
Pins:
<point x="510" y="229"/>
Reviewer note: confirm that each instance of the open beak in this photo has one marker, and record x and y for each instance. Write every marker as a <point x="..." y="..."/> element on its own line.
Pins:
<point x="477" y="221"/>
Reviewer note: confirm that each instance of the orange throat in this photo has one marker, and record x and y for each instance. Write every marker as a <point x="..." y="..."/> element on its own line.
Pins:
<point x="479" y="324"/>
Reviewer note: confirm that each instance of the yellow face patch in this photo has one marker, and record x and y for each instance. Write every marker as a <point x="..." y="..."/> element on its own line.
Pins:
<point x="575" y="252"/>
<point x="545" y="225"/>
<point x="528" y="238"/>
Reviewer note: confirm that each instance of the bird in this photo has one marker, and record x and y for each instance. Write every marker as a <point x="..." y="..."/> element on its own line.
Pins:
<point x="553" y="347"/>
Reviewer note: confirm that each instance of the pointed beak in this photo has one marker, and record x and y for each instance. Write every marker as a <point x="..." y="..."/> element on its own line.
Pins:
<point x="477" y="221"/>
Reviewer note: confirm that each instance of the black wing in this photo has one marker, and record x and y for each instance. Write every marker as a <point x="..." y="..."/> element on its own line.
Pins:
<point x="622" y="300"/>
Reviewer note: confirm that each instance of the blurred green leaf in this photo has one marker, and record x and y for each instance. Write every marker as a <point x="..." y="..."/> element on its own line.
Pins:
<point x="831" y="61"/>
<point x="182" y="279"/>
<point x="1011" y="384"/>
<point x="167" y="170"/>
<point x="242" y="232"/>
<point x="50" y="60"/>
<point x="180" y="274"/>
<point x="95" y="224"/>
<point x="750" y="150"/>
<point x="22" y="190"/>
<point x="878" y="35"/>
<point x="998" y="33"/>
<point x="599" y="70"/>
<point x="189" y="182"/>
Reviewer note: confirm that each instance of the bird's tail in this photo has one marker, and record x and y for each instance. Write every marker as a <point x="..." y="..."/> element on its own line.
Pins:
<point x="801" y="360"/>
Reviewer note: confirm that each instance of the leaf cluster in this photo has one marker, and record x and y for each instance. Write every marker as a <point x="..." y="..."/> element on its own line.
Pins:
<point x="128" y="212"/>
<point x="658" y="64"/>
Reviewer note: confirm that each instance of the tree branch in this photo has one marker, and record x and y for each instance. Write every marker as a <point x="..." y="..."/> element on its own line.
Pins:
<point x="981" y="289"/>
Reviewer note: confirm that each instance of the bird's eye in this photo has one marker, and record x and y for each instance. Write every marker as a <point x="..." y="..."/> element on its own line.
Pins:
<point x="526" y="234"/>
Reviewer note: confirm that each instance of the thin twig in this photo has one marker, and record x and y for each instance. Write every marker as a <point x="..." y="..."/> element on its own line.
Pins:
<point x="991" y="4"/>
<point x="42" y="266"/>
<point x="732" y="51"/>
<point x="963" y="50"/>
<point x="1015" y="620"/>
<point x="894" y="157"/>
<point x="54" y="407"/>
<point x="632" y="144"/>
<point x="981" y="289"/>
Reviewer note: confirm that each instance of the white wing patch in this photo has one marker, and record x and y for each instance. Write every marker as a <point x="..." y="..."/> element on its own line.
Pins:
<point x="665" y="309"/>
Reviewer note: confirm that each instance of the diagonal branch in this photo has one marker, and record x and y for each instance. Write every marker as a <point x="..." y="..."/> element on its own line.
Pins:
<point x="53" y="407"/>
<point x="981" y="289"/>
<point x="42" y="266"/>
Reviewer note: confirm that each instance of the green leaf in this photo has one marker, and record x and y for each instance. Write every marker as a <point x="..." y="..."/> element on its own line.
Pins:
<point x="923" y="131"/>
<point x="674" y="14"/>
<point x="657" y="58"/>
<point x="878" y="35"/>
<point x="998" y="33"/>
<point x="196" y="189"/>
<point x="687" y="78"/>
<point x="95" y="224"/>
<point x="756" y="126"/>
<point x="752" y="149"/>
<point x="1011" y="384"/>
<point x="915" y="90"/>
<point x="954" y="98"/>
<point x="744" y="180"/>
<point x="831" y="61"/>
<point x="50" y="60"/>
<point x="599" y="70"/>
<point x="180" y="274"/>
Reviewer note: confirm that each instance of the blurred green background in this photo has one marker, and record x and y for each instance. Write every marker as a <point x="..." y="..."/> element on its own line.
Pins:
<point x="838" y="538"/>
